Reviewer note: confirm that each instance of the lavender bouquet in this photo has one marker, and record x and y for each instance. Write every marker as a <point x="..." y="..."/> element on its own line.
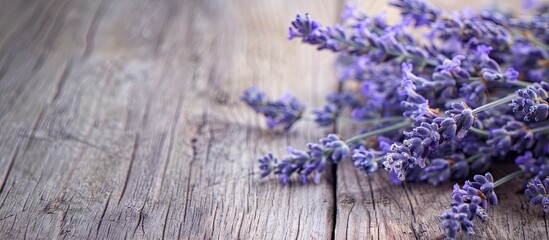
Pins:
<point x="470" y="93"/>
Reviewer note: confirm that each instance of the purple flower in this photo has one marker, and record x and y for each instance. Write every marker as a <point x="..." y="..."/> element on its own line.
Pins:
<point x="453" y="67"/>
<point x="464" y="117"/>
<point x="474" y="93"/>
<point x="327" y="115"/>
<point x="446" y="127"/>
<point x="532" y="102"/>
<point x="348" y="12"/>
<point x="343" y="99"/>
<point x="467" y="202"/>
<point x="455" y="219"/>
<point x="438" y="171"/>
<point x="486" y="185"/>
<point x="536" y="166"/>
<point x="255" y="98"/>
<point x="515" y="136"/>
<point x="419" y="11"/>
<point x="267" y="164"/>
<point x="483" y="60"/>
<point x="335" y="148"/>
<point x="306" y="28"/>
<point x="493" y="75"/>
<point x="399" y="160"/>
<point x="283" y="112"/>
<point x="415" y="105"/>
<point x="526" y="56"/>
<point x="537" y="192"/>
<point x="420" y="142"/>
<point x="366" y="160"/>
<point x="459" y="169"/>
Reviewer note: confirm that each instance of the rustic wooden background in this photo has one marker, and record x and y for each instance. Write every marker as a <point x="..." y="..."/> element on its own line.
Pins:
<point x="122" y="119"/>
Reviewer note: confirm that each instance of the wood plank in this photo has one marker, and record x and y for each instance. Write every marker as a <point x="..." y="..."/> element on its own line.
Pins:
<point x="130" y="126"/>
<point x="370" y="207"/>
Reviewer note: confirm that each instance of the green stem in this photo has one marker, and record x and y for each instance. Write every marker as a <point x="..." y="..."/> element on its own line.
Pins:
<point x="359" y="137"/>
<point x="311" y="117"/>
<point x="480" y="132"/>
<point x="508" y="178"/>
<point x="382" y="120"/>
<point x="540" y="129"/>
<point x="494" y="103"/>
<point x="473" y="158"/>
<point x="516" y="82"/>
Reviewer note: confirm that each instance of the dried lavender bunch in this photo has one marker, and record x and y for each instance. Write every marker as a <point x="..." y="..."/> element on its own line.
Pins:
<point x="459" y="101"/>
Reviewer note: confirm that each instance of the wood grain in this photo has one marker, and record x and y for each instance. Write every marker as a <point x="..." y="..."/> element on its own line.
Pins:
<point x="122" y="119"/>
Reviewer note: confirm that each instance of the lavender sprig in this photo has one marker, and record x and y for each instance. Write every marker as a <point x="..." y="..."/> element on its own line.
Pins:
<point x="470" y="201"/>
<point x="313" y="160"/>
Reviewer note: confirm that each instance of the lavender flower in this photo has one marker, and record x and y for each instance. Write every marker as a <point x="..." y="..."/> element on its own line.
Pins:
<point x="493" y="75"/>
<point x="535" y="166"/>
<point x="456" y="219"/>
<point x="327" y="115"/>
<point x="335" y="148"/>
<point x="306" y="163"/>
<point x="255" y="98"/>
<point x="366" y="160"/>
<point x="513" y="135"/>
<point x="306" y="28"/>
<point x="532" y="102"/>
<point x="438" y="171"/>
<point x="468" y="202"/>
<point x="486" y="185"/>
<point x="464" y="117"/>
<point x="267" y="164"/>
<point x="400" y="161"/>
<point x="283" y="112"/>
<point x="419" y="11"/>
<point x="537" y="192"/>
<point x="420" y="142"/>
<point x="415" y="105"/>
<point x="474" y="93"/>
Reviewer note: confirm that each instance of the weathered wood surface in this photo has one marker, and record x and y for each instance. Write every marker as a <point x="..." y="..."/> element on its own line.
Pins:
<point x="121" y="119"/>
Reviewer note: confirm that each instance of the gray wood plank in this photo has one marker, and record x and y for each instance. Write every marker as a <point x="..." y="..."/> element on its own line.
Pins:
<point x="122" y="119"/>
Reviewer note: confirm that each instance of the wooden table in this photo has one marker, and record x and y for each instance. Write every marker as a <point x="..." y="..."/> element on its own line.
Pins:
<point x="122" y="119"/>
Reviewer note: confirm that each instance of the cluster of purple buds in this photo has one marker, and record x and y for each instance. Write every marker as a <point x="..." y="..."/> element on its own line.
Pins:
<point x="441" y="170"/>
<point x="282" y="112"/>
<point x="532" y="102"/>
<point x="537" y="192"/>
<point x="306" y="163"/>
<point x="514" y="135"/>
<point x="537" y="167"/>
<point x="419" y="11"/>
<point x="367" y="160"/>
<point x="467" y="202"/>
<point x="464" y="119"/>
<point x="490" y="69"/>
